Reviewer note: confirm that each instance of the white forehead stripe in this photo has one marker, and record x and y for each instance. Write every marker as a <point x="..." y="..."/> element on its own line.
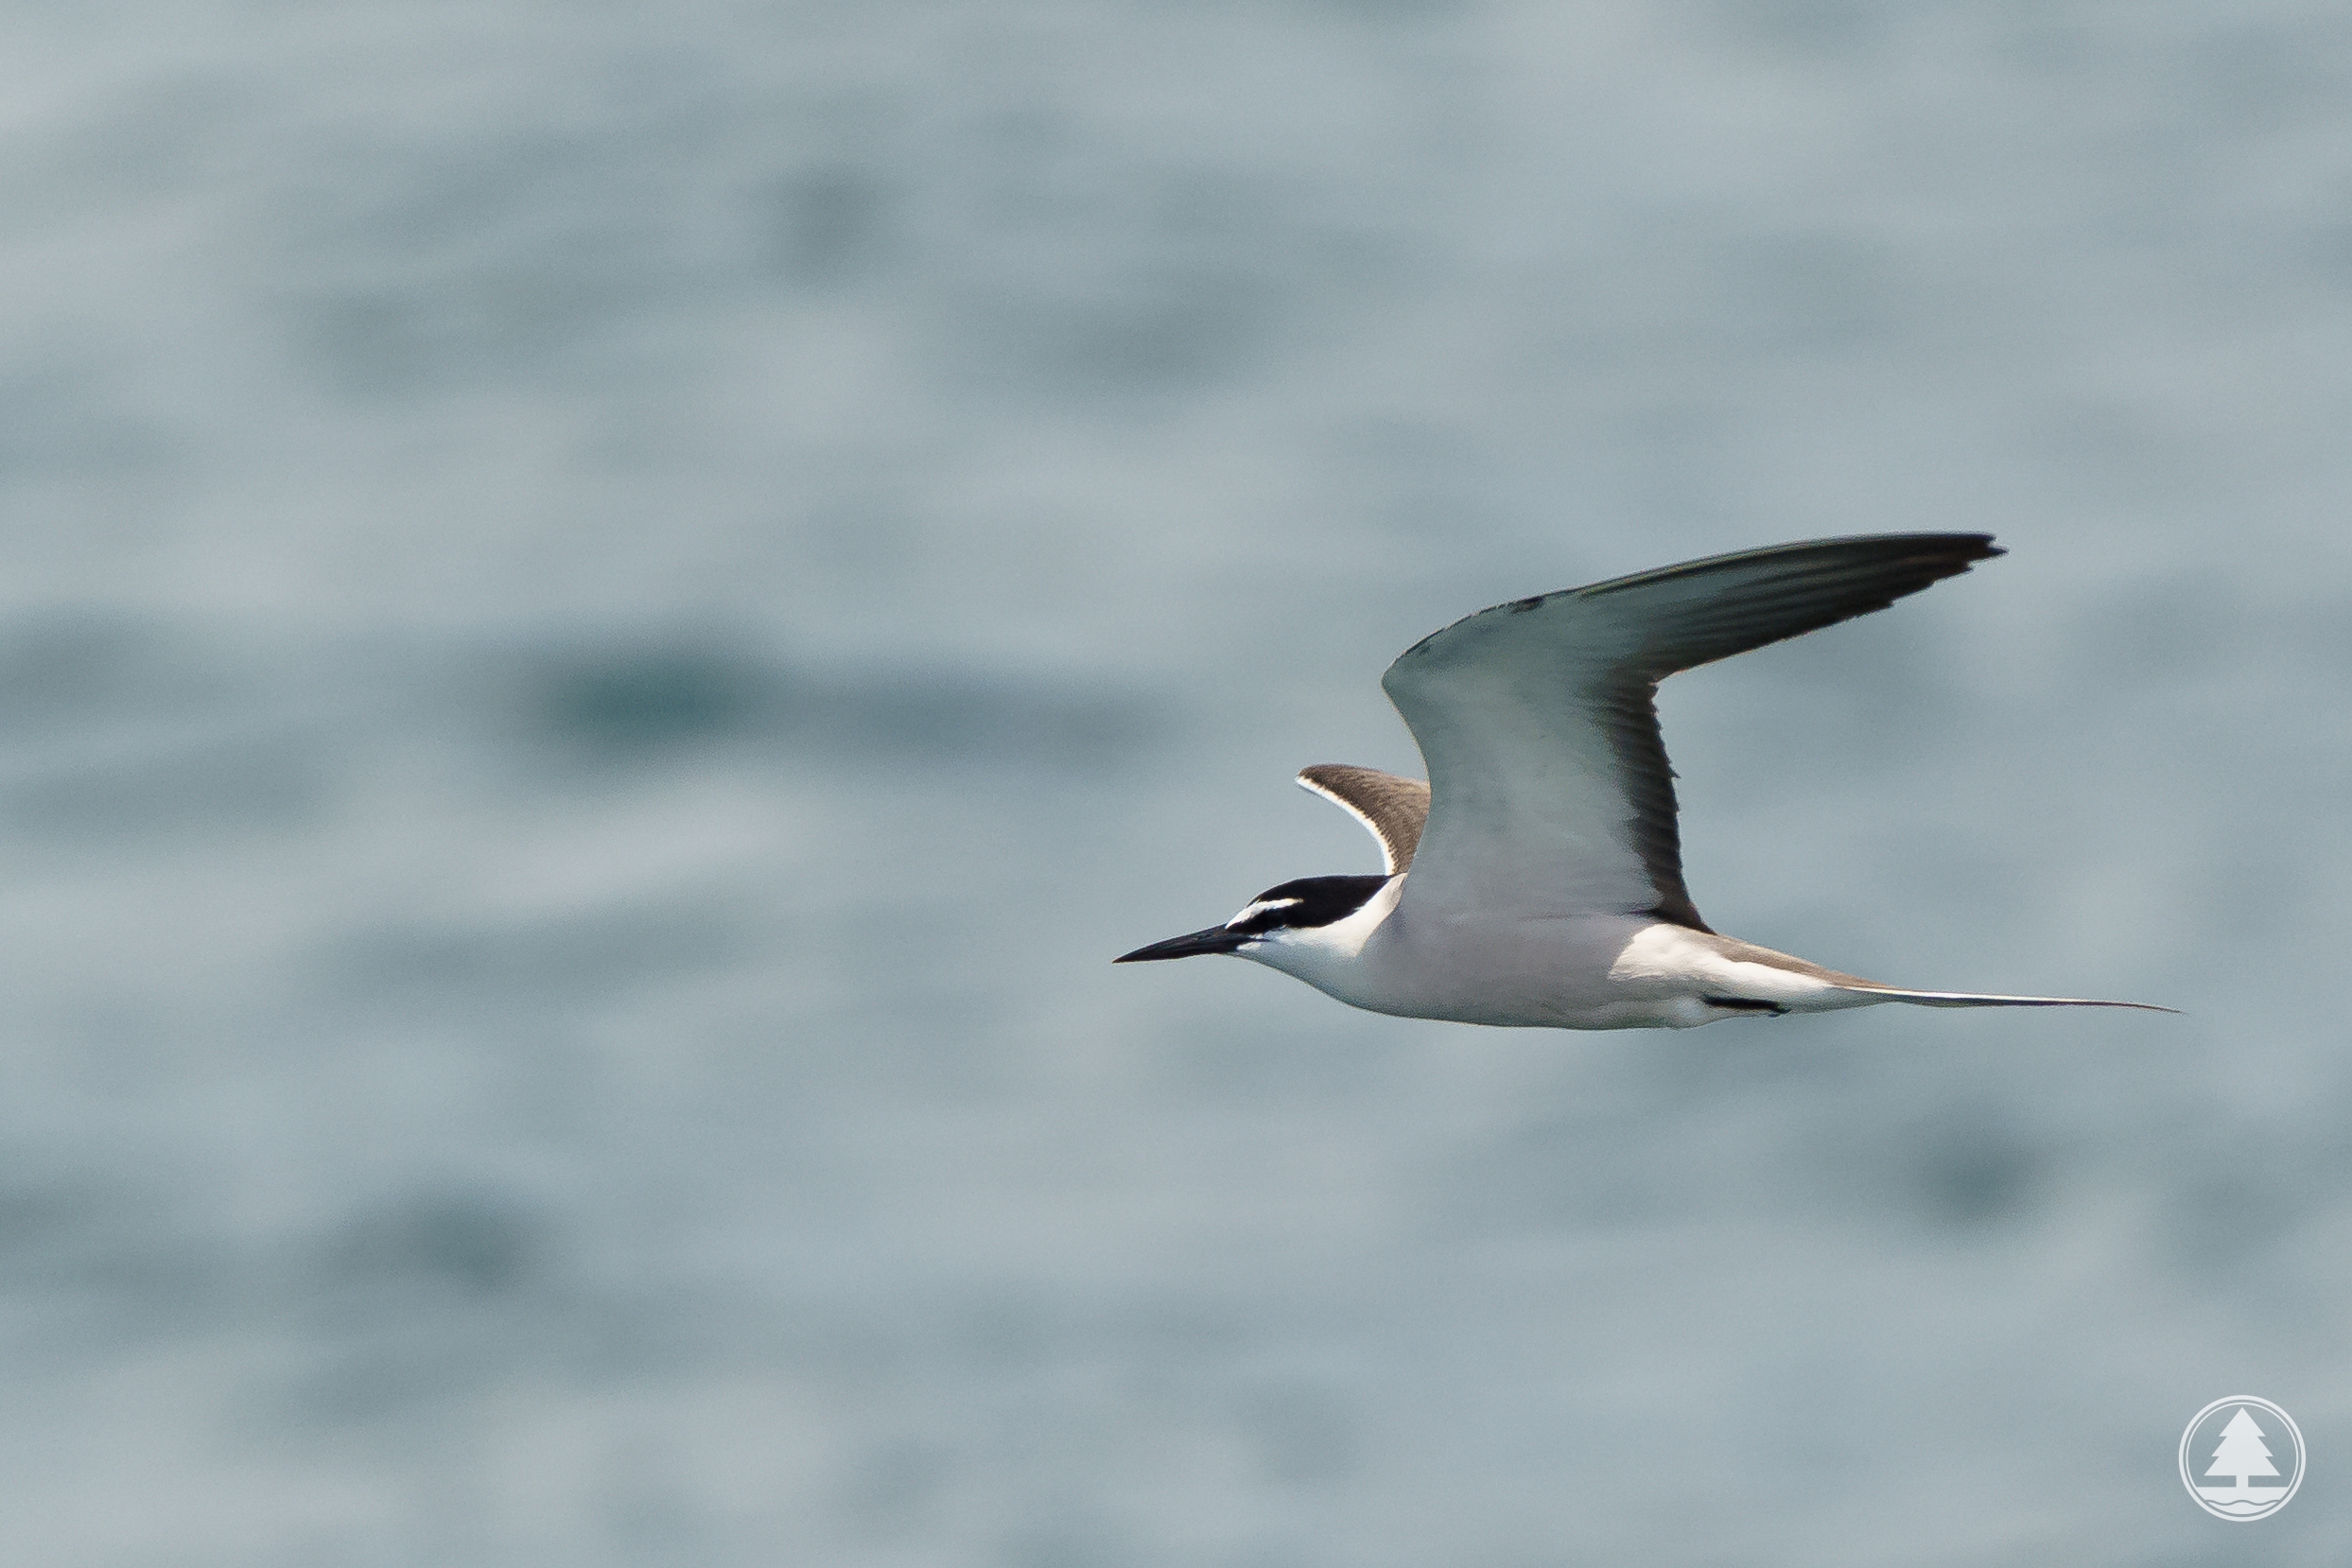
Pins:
<point x="1260" y="907"/>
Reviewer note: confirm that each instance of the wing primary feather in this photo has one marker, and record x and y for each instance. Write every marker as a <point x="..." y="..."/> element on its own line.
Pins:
<point x="1766" y="596"/>
<point x="1648" y="776"/>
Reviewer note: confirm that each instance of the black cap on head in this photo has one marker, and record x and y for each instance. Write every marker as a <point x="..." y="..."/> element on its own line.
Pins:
<point x="1299" y="905"/>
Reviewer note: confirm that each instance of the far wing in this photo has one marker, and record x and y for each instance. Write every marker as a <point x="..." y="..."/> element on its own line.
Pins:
<point x="1550" y="788"/>
<point x="1392" y="807"/>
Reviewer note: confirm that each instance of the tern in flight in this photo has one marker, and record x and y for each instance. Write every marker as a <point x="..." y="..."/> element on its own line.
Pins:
<point x="1536" y="879"/>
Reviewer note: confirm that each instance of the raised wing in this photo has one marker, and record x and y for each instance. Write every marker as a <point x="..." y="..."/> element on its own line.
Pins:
<point x="1538" y="719"/>
<point x="1392" y="807"/>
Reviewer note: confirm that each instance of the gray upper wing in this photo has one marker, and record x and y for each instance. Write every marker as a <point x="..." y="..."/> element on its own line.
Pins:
<point x="1551" y="793"/>
<point x="1393" y="807"/>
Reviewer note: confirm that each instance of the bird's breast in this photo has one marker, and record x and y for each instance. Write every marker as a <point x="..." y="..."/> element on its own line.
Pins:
<point x="1567" y="971"/>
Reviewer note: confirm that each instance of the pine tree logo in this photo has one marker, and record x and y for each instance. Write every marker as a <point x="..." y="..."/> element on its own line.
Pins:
<point x="2232" y="1455"/>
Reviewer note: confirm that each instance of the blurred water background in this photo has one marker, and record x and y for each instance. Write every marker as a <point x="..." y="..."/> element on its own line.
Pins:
<point x="610" y="613"/>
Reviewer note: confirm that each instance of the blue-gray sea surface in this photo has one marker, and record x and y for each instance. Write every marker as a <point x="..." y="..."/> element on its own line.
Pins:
<point x="609" y="614"/>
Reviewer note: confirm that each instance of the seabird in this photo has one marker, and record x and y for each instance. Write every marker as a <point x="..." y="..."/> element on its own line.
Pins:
<point x="1536" y="879"/>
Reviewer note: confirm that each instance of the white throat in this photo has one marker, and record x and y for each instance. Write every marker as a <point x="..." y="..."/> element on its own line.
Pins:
<point x="1323" y="956"/>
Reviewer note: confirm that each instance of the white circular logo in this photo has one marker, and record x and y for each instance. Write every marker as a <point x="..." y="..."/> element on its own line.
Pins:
<point x="2241" y="1458"/>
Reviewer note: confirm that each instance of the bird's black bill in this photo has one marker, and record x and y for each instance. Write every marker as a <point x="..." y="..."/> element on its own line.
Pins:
<point x="1216" y="939"/>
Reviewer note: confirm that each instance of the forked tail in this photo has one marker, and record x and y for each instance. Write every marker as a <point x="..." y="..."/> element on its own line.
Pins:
<point x="1971" y="998"/>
